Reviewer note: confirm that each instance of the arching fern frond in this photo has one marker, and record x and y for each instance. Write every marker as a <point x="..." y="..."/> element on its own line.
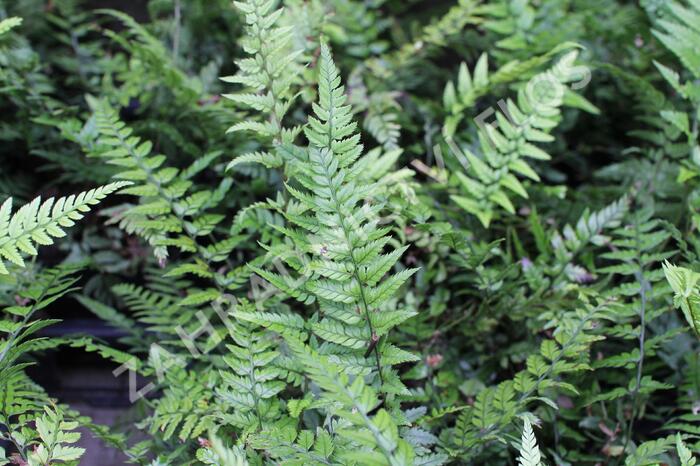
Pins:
<point x="462" y="94"/>
<point x="504" y="146"/>
<point x="37" y="223"/>
<point x="172" y="212"/>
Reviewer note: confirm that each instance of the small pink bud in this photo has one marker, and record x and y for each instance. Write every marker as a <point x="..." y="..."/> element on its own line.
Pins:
<point x="433" y="360"/>
<point x="203" y="442"/>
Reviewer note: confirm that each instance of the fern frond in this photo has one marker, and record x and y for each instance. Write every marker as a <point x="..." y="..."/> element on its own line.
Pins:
<point x="7" y="24"/>
<point x="56" y="439"/>
<point x="218" y="454"/>
<point x="684" y="283"/>
<point x="460" y="95"/>
<point x="37" y="223"/>
<point x="172" y="212"/>
<point x="496" y="407"/>
<point x="649" y="452"/>
<point x="253" y="377"/>
<point x="529" y="451"/>
<point x="186" y="407"/>
<point x="150" y="59"/>
<point x="341" y="249"/>
<point x="503" y="149"/>
<point x="379" y="436"/>
<point x="680" y="34"/>
<point x="684" y="453"/>
<point x="268" y="75"/>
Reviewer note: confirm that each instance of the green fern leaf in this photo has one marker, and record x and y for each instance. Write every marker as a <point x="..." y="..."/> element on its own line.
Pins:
<point x="529" y="451"/>
<point x="37" y="223"/>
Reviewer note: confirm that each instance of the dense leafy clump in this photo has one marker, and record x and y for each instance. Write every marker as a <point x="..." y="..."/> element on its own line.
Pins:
<point x="355" y="233"/>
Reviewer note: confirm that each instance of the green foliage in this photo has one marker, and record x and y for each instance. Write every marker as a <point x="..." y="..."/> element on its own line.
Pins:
<point x="37" y="222"/>
<point x="679" y="31"/>
<point x="684" y="453"/>
<point x="378" y="436"/>
<point x="684" y="285"/>
<point x="393" y="233"/>
<point x="338" y="261"/>
<point x="529" y="451"/>
<point x="8" y="24"/>
<point x="36" y="427"/>
<point x="269" y="74"/>
<point x="253" y="379"/>
<point x="55" y="439"/>
<point x="504" y="147"/>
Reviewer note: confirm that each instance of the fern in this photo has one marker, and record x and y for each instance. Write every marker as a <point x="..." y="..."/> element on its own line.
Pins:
<point x="268" y="74"/>
<point x="151" y="61"/>
<point x="649" y="452"/>
<point x="173" y="213"/>
<point x="342" y="265"/>
<point x="21" y="400"/>
<point x="462" y="94"/>
<point x="503" y="150"/>
<point x="685" y="419"/>
<point x="252" y="380"/>
<point x="684" y="454"/>
<point x="219" y="455"/>
<point x="55" y="439"/>
<point x="38" y="222"/>
<point x="8" y="24"/>
<point x="379" y="436"/>
<point x="684" y="285"/>
<point x="496" y="407"/>
<point x="529" y="451"/>
<point x="680" y="31"/>
<point x="636" y="250"/>
<point x="389" y="303"/>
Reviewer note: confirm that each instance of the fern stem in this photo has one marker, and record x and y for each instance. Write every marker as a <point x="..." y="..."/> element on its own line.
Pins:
<point x="176" y="33"/>
<point x="270" y="79"/>
<point x="642" y="332"/>
<point x="346" y="235"/>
